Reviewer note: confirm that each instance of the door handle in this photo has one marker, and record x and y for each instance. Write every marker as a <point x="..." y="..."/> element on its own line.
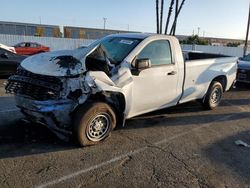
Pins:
<point x="172" y="73"/>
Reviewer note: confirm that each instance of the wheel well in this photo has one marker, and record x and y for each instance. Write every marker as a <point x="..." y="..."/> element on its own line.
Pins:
<point x="223" y="80"/>
<point x="115" y="99"/>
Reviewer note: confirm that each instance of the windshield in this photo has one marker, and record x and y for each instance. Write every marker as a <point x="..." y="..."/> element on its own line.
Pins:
<point x="117" y="48"/>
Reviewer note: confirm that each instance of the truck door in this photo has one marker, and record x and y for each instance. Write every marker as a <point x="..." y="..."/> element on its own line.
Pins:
<point x="156" y="87"/>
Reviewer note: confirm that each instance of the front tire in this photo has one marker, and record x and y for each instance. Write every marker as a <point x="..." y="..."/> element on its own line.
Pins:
<point x="93" y="123"/>
<point x="213" y="96"/>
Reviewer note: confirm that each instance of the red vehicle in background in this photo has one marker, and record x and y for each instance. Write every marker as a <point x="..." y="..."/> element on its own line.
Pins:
<point x="30" y="48"/>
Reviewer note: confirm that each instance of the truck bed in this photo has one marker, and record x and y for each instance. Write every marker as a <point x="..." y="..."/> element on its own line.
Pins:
<point x="200" y="71"/>
<point x="200" y="55"/>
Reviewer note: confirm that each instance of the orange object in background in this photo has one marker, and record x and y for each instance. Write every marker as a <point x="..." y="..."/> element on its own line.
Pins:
<point x="30" y="48"/>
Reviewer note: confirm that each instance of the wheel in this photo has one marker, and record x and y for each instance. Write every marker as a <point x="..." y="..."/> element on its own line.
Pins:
<point x="93" y="123"/>
<point x="213" y="96"/>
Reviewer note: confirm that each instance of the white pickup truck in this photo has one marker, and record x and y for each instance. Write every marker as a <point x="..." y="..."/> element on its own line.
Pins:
<point x="86" y="92"/>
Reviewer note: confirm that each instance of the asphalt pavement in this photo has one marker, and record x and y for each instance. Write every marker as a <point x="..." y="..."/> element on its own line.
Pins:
<point x="184" y="146"/>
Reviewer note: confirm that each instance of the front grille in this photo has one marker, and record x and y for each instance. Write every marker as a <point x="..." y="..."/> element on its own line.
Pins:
<point x="243" y="75"/>
<point x="38" y="87"/>
<point x="51" y="79"/>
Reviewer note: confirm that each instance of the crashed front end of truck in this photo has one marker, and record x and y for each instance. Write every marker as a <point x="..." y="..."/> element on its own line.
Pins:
<point x="49" y="87"/>
<point x="48" y="100"/>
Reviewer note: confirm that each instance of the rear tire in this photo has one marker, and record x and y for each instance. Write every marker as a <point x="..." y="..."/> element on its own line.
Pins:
<point x="213" y="96"/>
<point x="93" y="123"/>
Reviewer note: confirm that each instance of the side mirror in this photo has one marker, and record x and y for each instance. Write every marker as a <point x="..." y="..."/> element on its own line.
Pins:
<point x="141" y="64"/>
<point x="4" y="55"/>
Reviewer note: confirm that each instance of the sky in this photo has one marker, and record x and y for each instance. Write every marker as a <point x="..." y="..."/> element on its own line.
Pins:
<point x="215" y="18"/>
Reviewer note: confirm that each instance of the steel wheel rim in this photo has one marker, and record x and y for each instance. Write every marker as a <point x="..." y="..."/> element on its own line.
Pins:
<point x="98" y="127"/>
<point x="216" y="96"/>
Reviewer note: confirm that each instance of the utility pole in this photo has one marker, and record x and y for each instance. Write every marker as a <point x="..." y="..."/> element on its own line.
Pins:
<point x="246" y="41"/>
<point x="104" y="23"/>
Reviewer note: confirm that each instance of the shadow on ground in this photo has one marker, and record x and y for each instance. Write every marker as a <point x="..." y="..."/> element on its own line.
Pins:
<point x="226" y="153"/>
<point x="236" y="102"/>
<point x="20" y="138"/>
<point x="241" y="87"/>
<point x="163" y="120"/>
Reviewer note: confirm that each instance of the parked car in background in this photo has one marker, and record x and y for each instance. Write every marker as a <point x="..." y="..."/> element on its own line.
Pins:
<point x="243" y="73"/>
<point x="30" y="48"/>
<point x="9" y="48"/>
<point x="9" y="62"/>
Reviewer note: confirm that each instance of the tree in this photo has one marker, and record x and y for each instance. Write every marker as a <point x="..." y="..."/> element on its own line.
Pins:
<point x="233" y="44"/>
<point x="195" y="39"/>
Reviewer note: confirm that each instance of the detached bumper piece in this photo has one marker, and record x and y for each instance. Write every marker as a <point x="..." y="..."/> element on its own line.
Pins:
<point x="53" y="114"/>
<point x="37" y="87"/>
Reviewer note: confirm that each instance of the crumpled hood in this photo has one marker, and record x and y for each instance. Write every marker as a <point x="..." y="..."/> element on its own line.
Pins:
<point x="244" y="65"/>
<point x="58" y="63"/>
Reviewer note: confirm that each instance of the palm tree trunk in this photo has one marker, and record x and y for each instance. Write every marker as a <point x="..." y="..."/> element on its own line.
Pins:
<point x="169" y="15"/>
<point x="176" y="10"/>
<point x="162" y="5"/>
<point x="175" y="20"/>
<point x="157" y="16"/>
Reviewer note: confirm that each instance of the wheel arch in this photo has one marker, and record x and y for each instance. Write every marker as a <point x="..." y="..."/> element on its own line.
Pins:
<point x="114" y="99"/>
<point x="222" y="79"/>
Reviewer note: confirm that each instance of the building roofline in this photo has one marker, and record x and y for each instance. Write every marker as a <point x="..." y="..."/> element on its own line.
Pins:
<point x="112" y="30"/>
<point x="30" y="24"/>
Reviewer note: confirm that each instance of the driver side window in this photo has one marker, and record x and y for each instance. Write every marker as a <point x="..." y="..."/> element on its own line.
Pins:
<point x="159" y="53"/>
